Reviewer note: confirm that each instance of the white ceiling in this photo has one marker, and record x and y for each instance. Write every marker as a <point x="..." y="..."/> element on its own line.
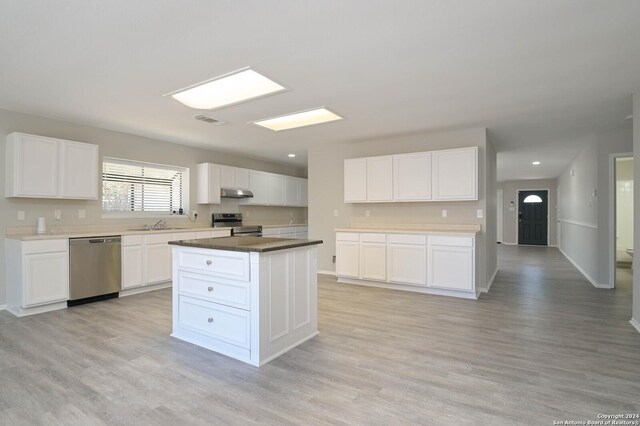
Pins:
<point x="540" y="75"/>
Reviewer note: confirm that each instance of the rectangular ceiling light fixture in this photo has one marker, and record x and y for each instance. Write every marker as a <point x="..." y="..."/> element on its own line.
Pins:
<point x="299" y="119"/>
<point x="228" y="89"/>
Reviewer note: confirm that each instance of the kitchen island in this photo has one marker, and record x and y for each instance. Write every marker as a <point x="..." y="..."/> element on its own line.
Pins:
<point x="250" y="298"/>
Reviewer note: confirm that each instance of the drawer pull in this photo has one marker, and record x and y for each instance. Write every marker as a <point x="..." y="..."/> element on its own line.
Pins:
<point x="208" y="262"/>
<point x="210" y="288"/>
<point x="210" y="319"/>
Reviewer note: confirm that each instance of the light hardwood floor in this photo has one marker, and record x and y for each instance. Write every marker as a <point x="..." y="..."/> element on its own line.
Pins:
<point x="543" y="345"/>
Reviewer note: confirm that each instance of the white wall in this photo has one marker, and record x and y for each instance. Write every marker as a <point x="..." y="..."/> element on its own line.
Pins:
<point x="636" y="206"/>
<point x="510" y="217"/>
<point x="326" y="191"/>
<point x="624" y="203"/>
<point x="583" y="205"/>
<point x="127" y="146"/>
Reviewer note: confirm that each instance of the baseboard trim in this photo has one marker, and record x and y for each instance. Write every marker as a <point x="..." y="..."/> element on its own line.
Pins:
<point x="509" y="244"/>
<point x="635" y="324"/>
<point x="583" y="272"/>
<point x="493" y="277"/>
<point x="552" y="245"/>
<point x="332" y="273"/>
<point x="144" y="289"/>
<point x="3" y="307"/>
<point x="413" y="288"/>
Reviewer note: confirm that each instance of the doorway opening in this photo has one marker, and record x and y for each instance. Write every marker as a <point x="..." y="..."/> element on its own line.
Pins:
<point x="622" y="216"/>
<point x="533" y="217"/>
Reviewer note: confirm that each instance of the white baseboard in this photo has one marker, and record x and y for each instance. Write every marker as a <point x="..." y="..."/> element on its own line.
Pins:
<point x="635" y="324"/>
<point x="332" y="273"/>
<point x="552" y="245"/>
<point x="3" y="307"/>
<point x="583" y="272"/>
<point x="144" y="289"/>
<point x="493" y="277"/>
<point x="509" y="244"/>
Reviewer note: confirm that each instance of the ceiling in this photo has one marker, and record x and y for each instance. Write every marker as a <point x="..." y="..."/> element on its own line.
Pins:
<point x="542" y="76"/>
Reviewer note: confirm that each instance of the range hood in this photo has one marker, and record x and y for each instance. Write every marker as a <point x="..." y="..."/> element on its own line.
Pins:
<point x="235" y="193"/>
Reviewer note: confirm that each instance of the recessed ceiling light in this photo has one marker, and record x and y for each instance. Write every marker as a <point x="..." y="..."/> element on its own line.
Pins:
<point x="228" y="89"/>
<point x="535" y="163"/>
<point x="292" y="155"/>
<point x="298" y="119"/>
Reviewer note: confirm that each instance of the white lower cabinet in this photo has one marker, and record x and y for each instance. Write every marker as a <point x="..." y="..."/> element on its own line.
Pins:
<point x="450" y="262"/>
<point x="373" y="253"/>
<point x="347" y="255"/>
<point x="146" y="259"/>
<point x="132" y="266"/>
<point x="441" y="264"/>
<point x="37" y="275"/>
<point x="407" y="264"/>
<point x="250" y="306"/>
<point x="157" y="262"/>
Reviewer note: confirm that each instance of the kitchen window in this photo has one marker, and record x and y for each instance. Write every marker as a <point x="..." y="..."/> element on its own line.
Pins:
<point x="143" y="189"/>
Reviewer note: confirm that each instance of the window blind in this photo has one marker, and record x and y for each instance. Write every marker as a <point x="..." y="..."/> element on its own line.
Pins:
<point x="131" y="186"/>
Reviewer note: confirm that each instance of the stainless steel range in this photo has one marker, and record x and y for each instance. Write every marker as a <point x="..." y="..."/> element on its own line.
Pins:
<point x="234" y="221"/>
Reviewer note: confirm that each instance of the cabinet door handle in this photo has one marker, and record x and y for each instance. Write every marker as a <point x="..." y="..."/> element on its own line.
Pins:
<point x="208" y="262"/>
<point x="210" y="288"/>
<point x="210" y="319"/>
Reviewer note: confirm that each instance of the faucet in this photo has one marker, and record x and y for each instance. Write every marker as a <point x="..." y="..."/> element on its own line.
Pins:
<point x="161" y="224"/>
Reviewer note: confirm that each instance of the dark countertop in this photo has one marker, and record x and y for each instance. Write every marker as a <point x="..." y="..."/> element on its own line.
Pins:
<point x="246" y="244"/>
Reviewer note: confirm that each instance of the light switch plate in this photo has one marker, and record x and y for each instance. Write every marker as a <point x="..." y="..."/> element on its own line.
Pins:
<point x="335" y="212"/>
<point x="444" y="213"/>
<point x="21" y="215"/>
<point x="367" y="213"/>
<point x="82" y="213"/>
<point x="57" y="214"/>
<point x="479" y="213"/>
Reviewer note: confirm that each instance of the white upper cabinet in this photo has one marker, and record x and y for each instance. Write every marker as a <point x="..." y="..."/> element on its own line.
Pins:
<point x="269" y="189"/>
<point x="412" y="177"/>
<point x="455" y="174"/>
<point x="275" y="188"/>
<point x="259" y="185"/>
<point x="208" y="186"/>
<point x="291" y="191"/>
<point x="41" y="167"/>
<point x="227" y="177"/>
<point x="380" y="178"/>
<point x="355" y="180"/>
<point x="447" y="175"/>
<point x="242" y="178"/>
<point x="77" y="162"/>
<point x="303" y="192"/>
<point x="234" y="177"/>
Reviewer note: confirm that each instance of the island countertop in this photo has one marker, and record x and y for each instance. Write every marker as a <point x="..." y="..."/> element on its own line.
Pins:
<point x="246" y="244"/>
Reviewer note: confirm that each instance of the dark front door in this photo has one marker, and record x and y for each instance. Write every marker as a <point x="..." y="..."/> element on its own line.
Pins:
<point x="532" y="218"/>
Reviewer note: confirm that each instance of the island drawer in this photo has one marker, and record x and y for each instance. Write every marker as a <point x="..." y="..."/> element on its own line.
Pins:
<point x="229" y="325"/>
<point x="226" y="264"/>
<point x="218" y="290"/>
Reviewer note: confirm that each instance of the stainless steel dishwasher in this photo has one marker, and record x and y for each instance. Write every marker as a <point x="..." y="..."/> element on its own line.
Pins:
<point x="94" y="269"/>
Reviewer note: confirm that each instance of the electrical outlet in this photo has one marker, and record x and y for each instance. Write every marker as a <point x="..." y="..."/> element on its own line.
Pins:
<point x="444" y="213"/>
<point x="247" y="213"/>
<point x="195" y="213"/>
<point x="290" y="214"/>
<point x="57" y="214"/>
<point x="82" y="213"/>
<point x="21" y="215"/>
<point x="335" y="212"/>
<point x="367" y="213"/>
<point x="479" y="214"/>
